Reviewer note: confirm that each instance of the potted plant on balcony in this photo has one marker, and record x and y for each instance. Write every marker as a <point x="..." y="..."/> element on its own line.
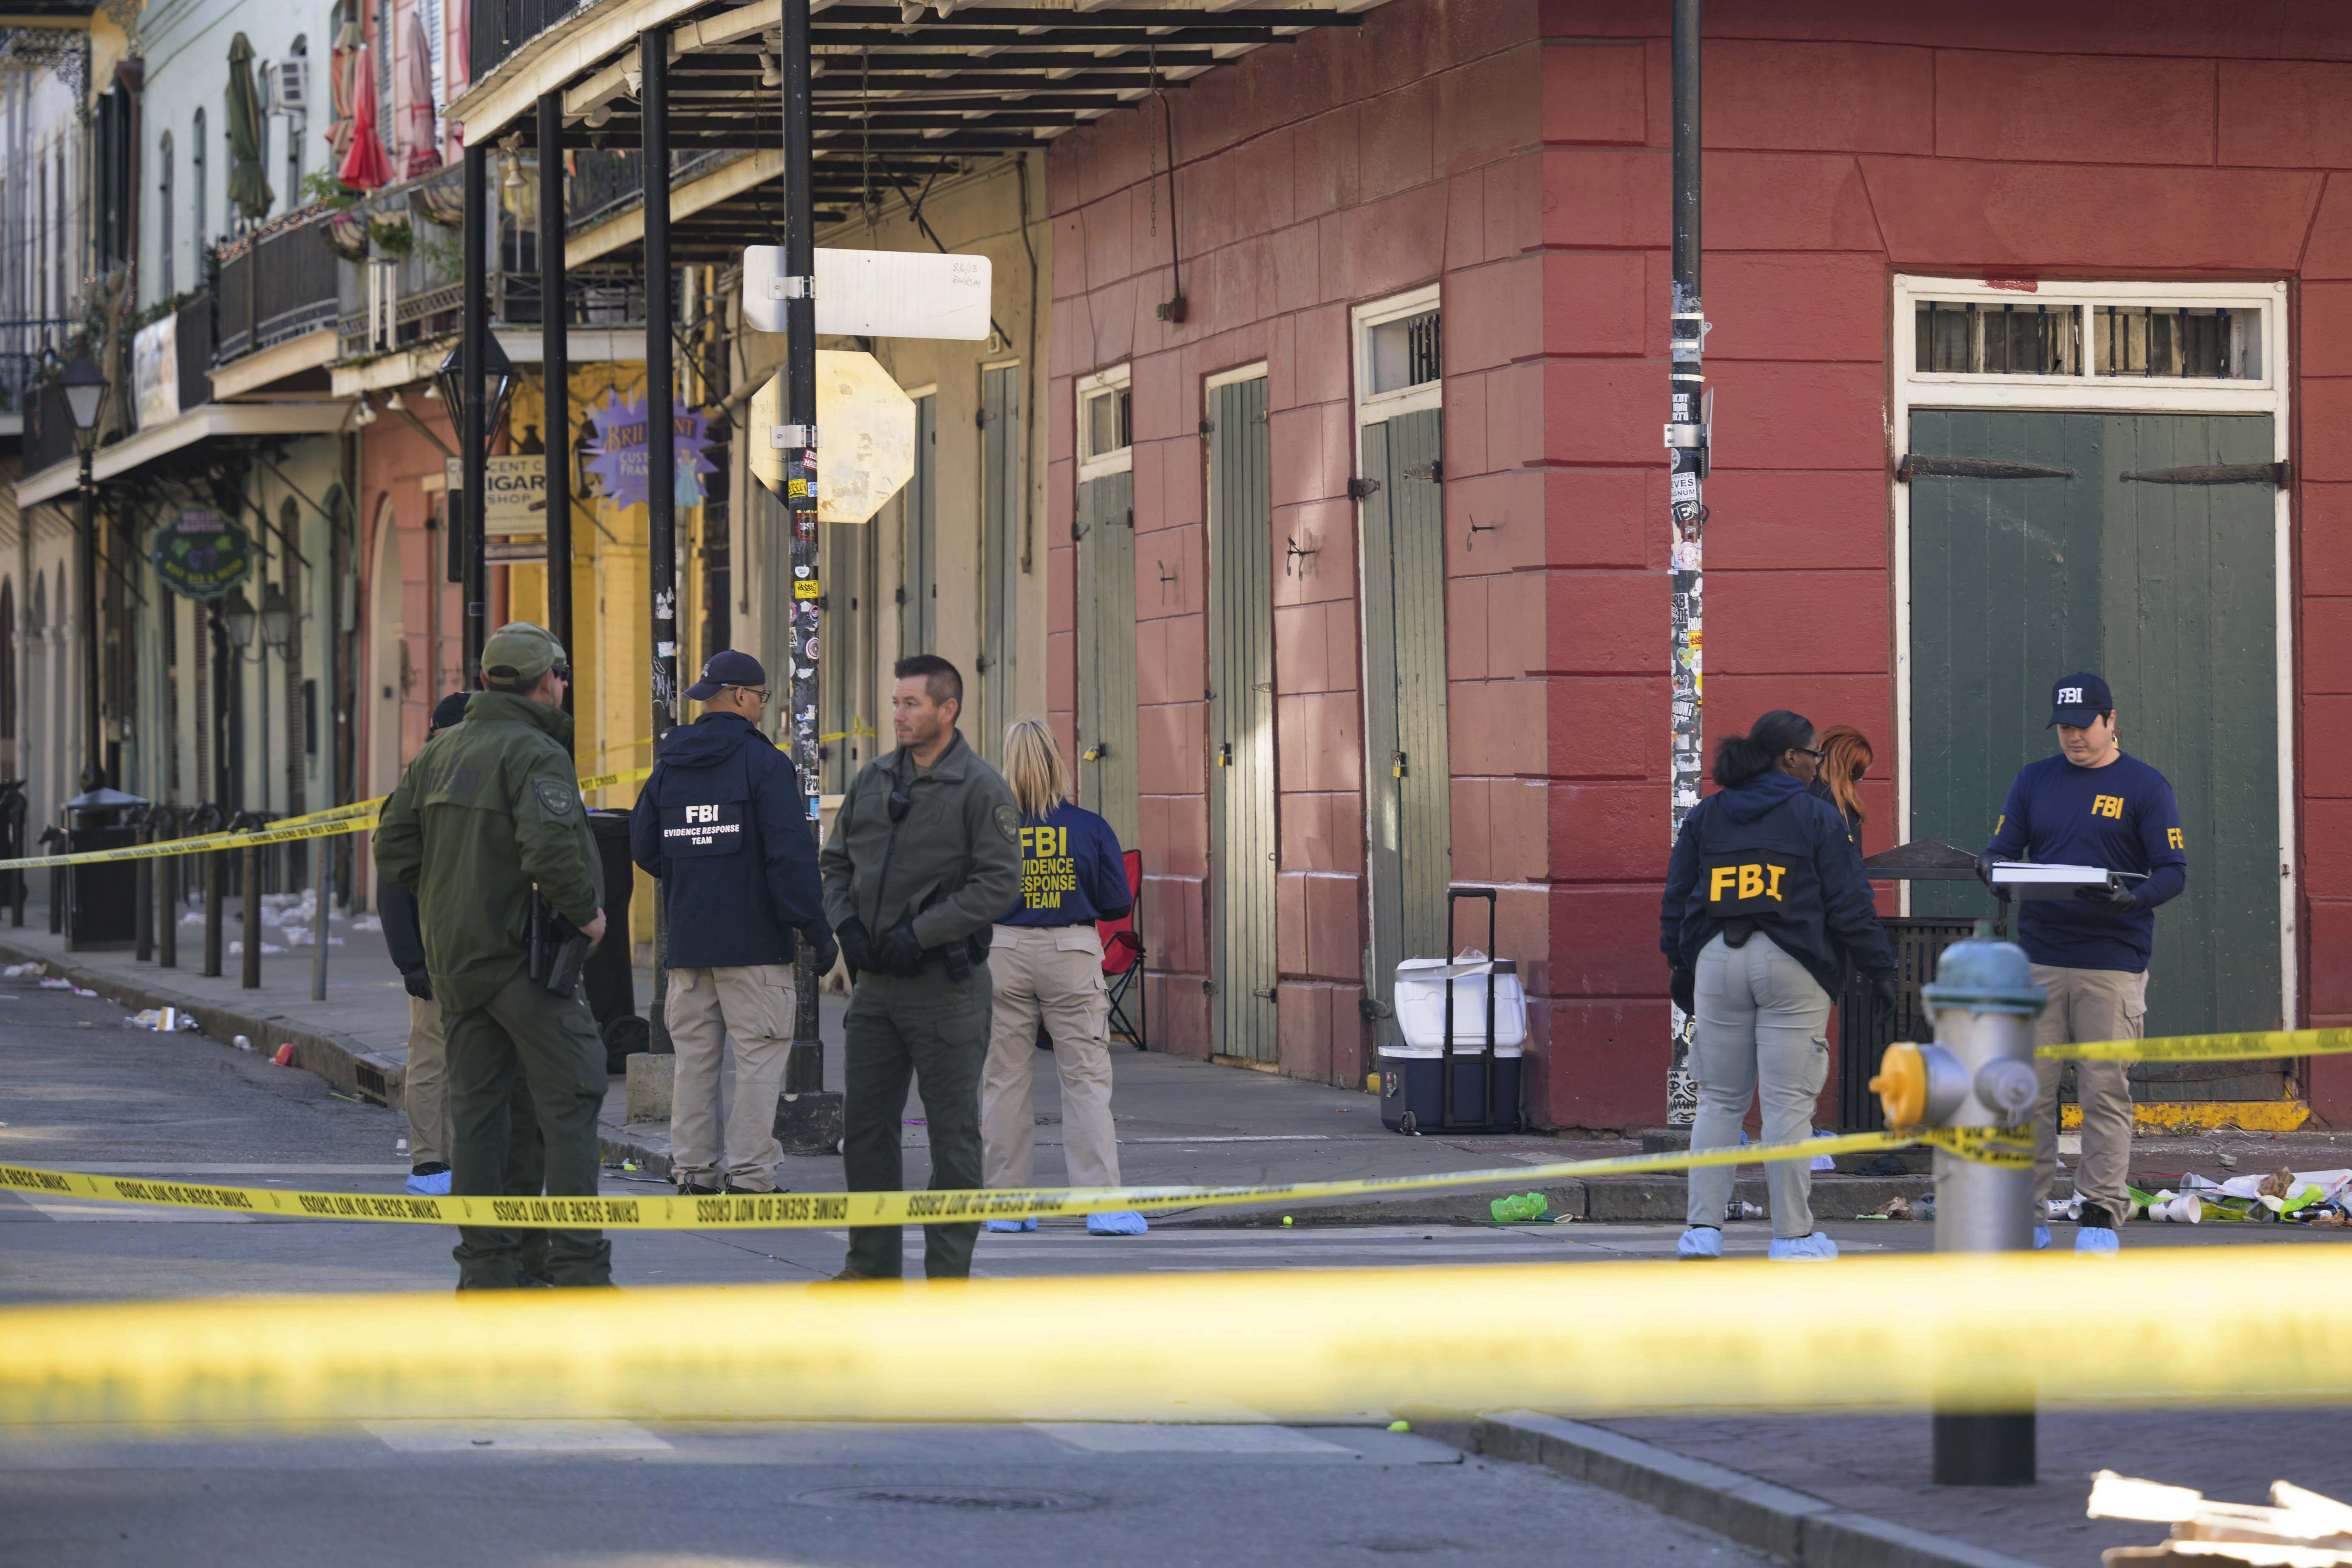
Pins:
<point x="443" y="203"/>
<point x="347" y="235"/>
<point x="393" y="235"/>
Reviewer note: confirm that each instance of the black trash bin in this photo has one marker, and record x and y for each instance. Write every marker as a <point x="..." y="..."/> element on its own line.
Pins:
<point x="608" y="979"/>
<point x="101" y="899"/>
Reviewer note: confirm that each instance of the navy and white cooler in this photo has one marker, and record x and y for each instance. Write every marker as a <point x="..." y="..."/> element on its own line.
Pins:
<point x="1461" y="1076"/>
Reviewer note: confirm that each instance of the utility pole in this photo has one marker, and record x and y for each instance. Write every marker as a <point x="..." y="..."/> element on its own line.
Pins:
<point x="661" y="452"/>
<point x="473" y="414"/>
<point x="814" y="1116"/>
<point x="1686" y="447"/>
<point x="555" y="374"/>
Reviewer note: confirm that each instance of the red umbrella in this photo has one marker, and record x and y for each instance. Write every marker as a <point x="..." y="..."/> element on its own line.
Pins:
<point x="365" y="168"/>
<point x="423" y="153"/>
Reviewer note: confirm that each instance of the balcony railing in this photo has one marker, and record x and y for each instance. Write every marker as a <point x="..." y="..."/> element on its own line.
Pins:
<point x="613" y="182"/>
<point x="497" y="28"/>
<point x="275" y="283"/>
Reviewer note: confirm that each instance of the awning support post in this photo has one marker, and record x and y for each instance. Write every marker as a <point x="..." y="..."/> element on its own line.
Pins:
<point x="474" y="435"/>
<point x="555" y="373"/>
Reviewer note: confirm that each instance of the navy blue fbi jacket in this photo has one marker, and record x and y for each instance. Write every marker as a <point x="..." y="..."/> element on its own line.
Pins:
<point x="2121" y="817"/>
<point x="1071" y="870"/>
<point x="723" y="823"/>
<point x="1771" y="853"/>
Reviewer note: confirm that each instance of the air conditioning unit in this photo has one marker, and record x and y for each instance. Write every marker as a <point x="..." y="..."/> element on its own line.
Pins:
<point x="289" y="87"/>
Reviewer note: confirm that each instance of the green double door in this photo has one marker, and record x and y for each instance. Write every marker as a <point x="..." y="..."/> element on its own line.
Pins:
<point x="2107" y="542"/>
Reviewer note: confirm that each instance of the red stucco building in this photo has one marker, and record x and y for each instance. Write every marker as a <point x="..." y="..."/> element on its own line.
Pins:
<point x="2108" y="244"/>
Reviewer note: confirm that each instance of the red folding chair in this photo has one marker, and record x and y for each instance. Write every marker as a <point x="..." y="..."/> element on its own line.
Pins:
<point x="1123" y="960"/>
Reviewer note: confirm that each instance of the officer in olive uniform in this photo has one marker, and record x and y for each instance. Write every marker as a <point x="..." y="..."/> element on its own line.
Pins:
<point x="925" y="855"/>
<point x="488" y="811"/>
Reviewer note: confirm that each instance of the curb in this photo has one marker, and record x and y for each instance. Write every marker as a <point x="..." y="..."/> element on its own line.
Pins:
<point x="337" y="1060"/>
<point x="1655" y="1198"/>
<point x="1793" y="1526"/>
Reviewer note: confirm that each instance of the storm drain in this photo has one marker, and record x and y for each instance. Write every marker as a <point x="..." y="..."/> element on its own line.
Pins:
<point x="1001" y="1499"/>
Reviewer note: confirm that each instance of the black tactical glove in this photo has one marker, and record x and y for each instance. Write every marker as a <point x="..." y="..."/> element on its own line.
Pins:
<point x="1984" y="873"/>
<point x="1682" y="986"/>
<point x="1884" y="1001"/>
<point x="827" y="951"/>
<point x="2113" y="900"/>
<point x="854" y="943"/>
<point x="900" y="952"/>
<point x="419" y="985"/>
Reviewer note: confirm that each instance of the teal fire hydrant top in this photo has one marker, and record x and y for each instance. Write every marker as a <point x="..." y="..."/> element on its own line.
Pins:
<point x="1982" y="975"/>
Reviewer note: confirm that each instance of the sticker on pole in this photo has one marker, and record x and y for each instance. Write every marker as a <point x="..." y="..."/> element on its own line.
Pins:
<point x="874" y="293"/>
<point x="868" y="435"/>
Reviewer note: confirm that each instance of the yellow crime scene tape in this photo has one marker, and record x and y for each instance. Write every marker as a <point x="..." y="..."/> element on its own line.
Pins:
<point x="357" y="818"/>
<point x="1959" y="1332"/>
<point x="806" y="1211"/>
<point x="2251" y="1045"/>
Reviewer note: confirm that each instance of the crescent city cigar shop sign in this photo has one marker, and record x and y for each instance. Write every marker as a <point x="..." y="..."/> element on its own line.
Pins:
<point x="201" y="554"/>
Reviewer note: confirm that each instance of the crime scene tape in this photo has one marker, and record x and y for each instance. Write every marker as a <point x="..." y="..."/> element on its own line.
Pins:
<point x="806" y="1211"/>
<point x="2251" y="1045"/>
<point x="357" y="818"/>
<point x="1959" y="1332"/>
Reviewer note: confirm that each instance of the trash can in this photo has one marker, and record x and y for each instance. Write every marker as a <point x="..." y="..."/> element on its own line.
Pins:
<point x="1483" y="1064"/>
<point x="101" y="899"/>
<point x="608" y="978"/>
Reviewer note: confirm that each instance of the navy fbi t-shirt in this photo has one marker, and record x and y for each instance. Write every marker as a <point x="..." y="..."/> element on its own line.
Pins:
<point x="2121" y="817"/>
<point x="1071" y="870"/>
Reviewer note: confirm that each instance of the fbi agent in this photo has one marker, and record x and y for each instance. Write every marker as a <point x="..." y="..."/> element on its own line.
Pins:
<point x="1767" y="907"/>
<point x="2091" y="804"/>
<point x="1045" y="964"/>
<point x="489" y="812"/>
<point x="723" y="826"/>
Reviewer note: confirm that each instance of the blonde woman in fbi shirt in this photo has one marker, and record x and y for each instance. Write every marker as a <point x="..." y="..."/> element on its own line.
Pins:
<point x="2090" y="805"/>
<point x="1044" y="962"/>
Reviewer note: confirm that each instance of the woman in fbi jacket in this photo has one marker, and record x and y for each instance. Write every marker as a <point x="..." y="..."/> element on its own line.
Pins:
<point x="1046" y="962"/>
<point x="1766" y="909"/>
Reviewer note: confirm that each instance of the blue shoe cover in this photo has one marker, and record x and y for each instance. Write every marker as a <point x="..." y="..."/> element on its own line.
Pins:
<point x="1700" y="1241"/>
<point x="2040" y="1237"/>
<point x="2098" y="1240"/>
<point x="1012" y="1225"/>
<point x="1125" y="1222"/>
<point x="1814" y="1249"/>
<point x="436" y="1185"/>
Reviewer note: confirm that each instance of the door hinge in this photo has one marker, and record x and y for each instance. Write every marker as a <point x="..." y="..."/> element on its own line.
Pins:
<point x="1208" y="426"/>
<point x="1914" y="465"/>
<point x="1373" y="1011"/>
<point x="1267" y="993"/>
<point x="1358" y="490"/>
<point x="2274" y="474"/>
<point x="902" y="596"/>
<point x="1208" y="987"/>
<point x="980" y="663"/>
<point x="1432" y="471"/>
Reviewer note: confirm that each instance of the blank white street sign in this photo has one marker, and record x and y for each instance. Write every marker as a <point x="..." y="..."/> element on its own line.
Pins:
<point x="876" y="293"/>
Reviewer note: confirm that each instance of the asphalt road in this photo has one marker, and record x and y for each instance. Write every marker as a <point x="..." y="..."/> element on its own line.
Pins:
<point x="78" y="1089"/>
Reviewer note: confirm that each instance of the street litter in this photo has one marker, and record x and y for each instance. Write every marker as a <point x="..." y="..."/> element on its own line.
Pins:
<point x="2300" y="1197"/>
<point x="55" y="984"/>
<point x="1520" y="1207"/>
<point x="16" y="970"/>
<point x="267" y="947"/>
<point x="163" y="1020"/>
<point x="285" y="1056"/>
<point x="241" y="1043"/>
<point x="2300" y="1530"/>
<point x="1737" y="1210"/>
<point x="1895" y="1207"/>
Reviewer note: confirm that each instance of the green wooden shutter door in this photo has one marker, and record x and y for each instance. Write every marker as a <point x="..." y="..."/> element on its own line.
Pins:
<point x="1407" y="768"/>
<point x="2169" y="591"/>
<point x="1107" y="782"/>
<point x="1000" y="520"/>
<point x="1241" y="724"/>
<point x="919" y="564"/>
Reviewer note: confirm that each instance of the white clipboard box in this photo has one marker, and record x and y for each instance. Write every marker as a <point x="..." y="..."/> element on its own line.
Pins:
<point x="2029" y="880"/>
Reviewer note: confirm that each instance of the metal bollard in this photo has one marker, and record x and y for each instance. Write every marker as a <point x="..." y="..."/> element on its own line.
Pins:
<point x="249" y="973"/>
<point x="167" y="895"/>
<point x="55" y="842"/>
<point x="143" y="930"/>
<point x="1979" y="1072"/>
<point x="215" y="873"/>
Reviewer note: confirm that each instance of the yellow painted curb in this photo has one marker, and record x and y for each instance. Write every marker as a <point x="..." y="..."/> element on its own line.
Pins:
<point x="2204" y="1115"/>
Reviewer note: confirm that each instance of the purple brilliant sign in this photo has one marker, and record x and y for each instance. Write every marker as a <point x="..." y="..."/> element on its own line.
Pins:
<point x="616" y="453"/>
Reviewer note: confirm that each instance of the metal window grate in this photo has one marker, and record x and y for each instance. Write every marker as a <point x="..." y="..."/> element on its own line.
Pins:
<point x="1406" y="353"/>
<point x="1109" y="426"/>
<point x="2177" y="342"/>
<point x="2007" y="340"/>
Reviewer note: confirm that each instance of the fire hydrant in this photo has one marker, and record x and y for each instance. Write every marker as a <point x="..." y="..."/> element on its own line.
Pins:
<point x="1977" y="1072"/>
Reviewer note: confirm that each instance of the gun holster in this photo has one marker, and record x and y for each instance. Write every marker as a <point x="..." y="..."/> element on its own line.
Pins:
<point x="558" y="951"/>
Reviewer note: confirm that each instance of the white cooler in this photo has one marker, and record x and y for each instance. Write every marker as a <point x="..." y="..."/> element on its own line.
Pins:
<point x="1413" y="1073"/>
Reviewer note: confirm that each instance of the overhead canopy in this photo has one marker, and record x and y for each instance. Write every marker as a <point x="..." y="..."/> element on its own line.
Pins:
<point x="898" y="101"/>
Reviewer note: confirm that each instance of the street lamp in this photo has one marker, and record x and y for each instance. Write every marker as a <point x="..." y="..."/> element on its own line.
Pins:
<point x="498" y="382"/>
<point x="84" y="388"/>
<point x="277" y="618"/>
<point x="237" y="616"/>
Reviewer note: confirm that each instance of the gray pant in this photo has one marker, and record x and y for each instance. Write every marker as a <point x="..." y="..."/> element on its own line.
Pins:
<point x="2088" y="1005"/>
<point x="931" y="1031"/>
<point x="1759" y="1034"/>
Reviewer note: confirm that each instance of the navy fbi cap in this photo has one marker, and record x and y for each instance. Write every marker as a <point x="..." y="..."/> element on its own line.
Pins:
<point x="727" y="668"/>
<point x="2079" y="699"/>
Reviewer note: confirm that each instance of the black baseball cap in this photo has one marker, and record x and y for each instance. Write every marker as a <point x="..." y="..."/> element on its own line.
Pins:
<point x="2078" y="700"/>
<point x="725" y="669"/>
<point x="449" y="710"/>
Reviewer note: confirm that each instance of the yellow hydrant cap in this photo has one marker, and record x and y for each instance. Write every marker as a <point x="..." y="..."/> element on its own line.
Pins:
<point x="1902" y="1084"/>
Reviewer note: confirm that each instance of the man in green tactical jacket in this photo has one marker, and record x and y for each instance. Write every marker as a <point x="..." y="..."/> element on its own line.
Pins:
<point x="486" y="812"/>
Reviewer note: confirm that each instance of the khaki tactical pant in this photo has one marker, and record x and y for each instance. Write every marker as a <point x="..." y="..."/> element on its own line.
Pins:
<point x="933" y="1031"/>
<point x="751" y="1005"/>
<point x="1055" y="973"/>
<point x="526" y="1032"/>
<point x="424" y="1092"/>
<point x="1760" y="1017"/>
<point x="2087" y="1004"/>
